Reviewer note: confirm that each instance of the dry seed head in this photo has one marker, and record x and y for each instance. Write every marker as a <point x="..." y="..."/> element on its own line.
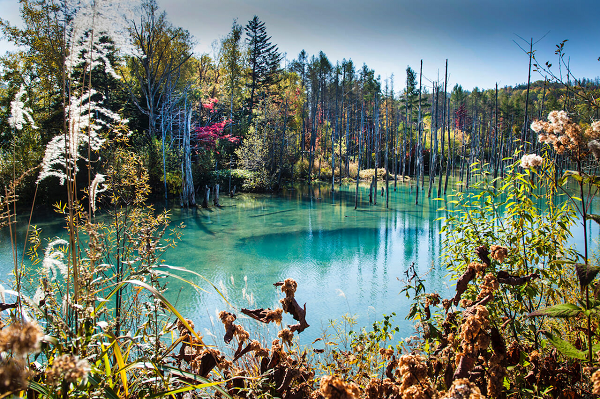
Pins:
<point x="489" y="286"/>
<point x="274" y="315"/>
<point x="13" y="376"/>
<point x="498" y="252"/>
<point x="412" y="370"/>
<point x="335" y="388"/>
<point x="372" y="390"/>
<point x="226" y="318"/>
<point x="241" y="334"/>
<point x="386" y="353"/>
<point x="596" y="382"/>
<point x="286" y="336"/>
<point x="462" y="388"/>
<point x="22" y="339"/>
<point x="465" y="303"/>
<point x="67" y="367"/>
<point x="289" y="287"/>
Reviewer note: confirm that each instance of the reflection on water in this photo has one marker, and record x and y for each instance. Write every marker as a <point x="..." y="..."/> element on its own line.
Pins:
<point x="344" y="260"/>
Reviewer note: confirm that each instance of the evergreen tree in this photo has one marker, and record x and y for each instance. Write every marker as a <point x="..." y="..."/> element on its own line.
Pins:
<point x="264" y="59"/>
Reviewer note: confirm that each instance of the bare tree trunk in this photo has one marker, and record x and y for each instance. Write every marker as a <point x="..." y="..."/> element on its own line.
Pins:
<point x="419" y="156"/>
<point x="188" y="194"/>
<point x="376" y="131"/>
<point x="362" y="122"/>
<point x="443" y="129"/>
<point x="434" y="139"/>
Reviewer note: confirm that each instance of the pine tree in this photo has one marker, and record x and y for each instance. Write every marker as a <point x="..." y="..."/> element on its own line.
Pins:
<point x="264" y="59"/>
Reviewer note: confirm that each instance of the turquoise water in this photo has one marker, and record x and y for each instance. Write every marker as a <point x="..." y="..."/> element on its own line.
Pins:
<point x="346" y="261"/>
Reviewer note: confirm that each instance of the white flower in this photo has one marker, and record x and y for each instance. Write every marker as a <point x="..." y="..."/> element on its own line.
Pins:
<point x="531" y="161"/>
<point x="596" y="126"/>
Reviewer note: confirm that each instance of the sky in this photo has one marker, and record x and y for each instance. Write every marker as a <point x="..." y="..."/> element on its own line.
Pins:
<point x="476" y="36"/>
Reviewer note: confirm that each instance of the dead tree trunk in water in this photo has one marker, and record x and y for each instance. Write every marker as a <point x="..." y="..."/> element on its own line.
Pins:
<point x="419" y="156"/>
<point x="188" y="197"/>
<point x="362" y="121"/>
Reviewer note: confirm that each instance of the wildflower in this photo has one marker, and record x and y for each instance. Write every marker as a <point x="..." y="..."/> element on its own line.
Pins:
<point x="531" y="161"/>
<point x="68" y="367"/>
<point x="286" y="336"/>
<point x="498" y="252"/>
<point x="241" y="334"/>
<point x="465" y="303"/>
<point x="335" y="388"/>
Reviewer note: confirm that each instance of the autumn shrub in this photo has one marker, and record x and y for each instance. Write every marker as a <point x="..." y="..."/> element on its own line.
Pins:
<point x="367" y="174"/>
<point x="301" y="169"/>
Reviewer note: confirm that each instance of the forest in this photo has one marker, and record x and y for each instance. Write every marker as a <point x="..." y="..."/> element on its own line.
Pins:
<point x="108" y="121"/>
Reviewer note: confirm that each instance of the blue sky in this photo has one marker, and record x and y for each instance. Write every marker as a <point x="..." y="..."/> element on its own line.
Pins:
<point x="475" y="35"/>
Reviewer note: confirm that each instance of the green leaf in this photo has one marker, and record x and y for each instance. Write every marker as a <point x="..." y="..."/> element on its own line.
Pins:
<point x="595" y="218"/>
<point x="562" y="310"/>
<point x="39" y="388"/>
<point x="586" y="273"/>
<point x="566" y="348"/>
<point x="574" y="174"/>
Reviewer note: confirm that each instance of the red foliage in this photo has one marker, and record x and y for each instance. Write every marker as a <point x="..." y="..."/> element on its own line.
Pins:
<point x="210" y="105"/>
<point x="208" y="135"/>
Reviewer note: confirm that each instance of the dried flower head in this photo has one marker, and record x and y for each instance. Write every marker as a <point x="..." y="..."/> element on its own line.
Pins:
<point x="498" y="252"/>
<point x="226" y="318"/>
<point x="594" y="147"/>
<point x="21" y="339"/>
<point x="372" y="390"/>
<point x="412" y="370"/>
<point x="462" y="388"/>
<point x="565" y="135"/>
<point x="241" y="334"/>
<point x="473" y="331"/>
<point x="335" y="388"/>
<point x="489" y="285"/>
<point x="386" y="353"/>
<point x="68" y="367"/>
<point x="289" y="287"/>
<point x="596" y="382"/>
<point x="479" y="268"/>
<point x="274" y="315"/>
<point x="286" y="336"/>
<point x="531" y="161"/>
<point x="465" y="303"/>
<point x="13" y="376"/>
